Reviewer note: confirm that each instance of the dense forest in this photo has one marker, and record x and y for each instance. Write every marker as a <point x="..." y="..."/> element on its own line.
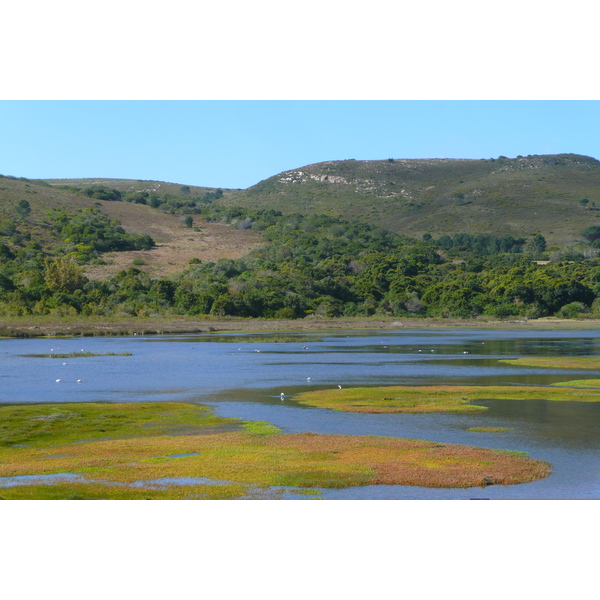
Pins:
<point x="311" y="265"/>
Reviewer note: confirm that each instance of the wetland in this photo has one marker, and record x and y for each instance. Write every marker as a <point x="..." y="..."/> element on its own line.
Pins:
<point x="238" y="416"/>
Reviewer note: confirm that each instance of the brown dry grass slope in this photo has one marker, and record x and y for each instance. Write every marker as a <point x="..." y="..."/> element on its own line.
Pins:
<point x="176" y="244"/>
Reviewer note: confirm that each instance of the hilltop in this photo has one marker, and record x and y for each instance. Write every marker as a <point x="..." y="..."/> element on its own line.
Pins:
<point x="556" y="195"/>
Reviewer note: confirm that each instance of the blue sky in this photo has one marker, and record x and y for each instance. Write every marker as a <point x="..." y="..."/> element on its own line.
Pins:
<point x="235" y="144"/>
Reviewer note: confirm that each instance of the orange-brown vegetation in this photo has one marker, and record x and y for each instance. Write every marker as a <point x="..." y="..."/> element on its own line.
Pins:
<point x="147" y="442"/>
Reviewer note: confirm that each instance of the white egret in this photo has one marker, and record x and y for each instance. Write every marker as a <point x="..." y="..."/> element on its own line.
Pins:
<point x="57" y="380"/>
<point x="339" y="386"/>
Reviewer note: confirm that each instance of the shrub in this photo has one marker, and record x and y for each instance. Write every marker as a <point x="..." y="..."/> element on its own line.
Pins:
<point x="573" y="310"/>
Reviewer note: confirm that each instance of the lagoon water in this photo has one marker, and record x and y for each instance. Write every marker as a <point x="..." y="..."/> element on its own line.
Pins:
<point x="243" y="375"/>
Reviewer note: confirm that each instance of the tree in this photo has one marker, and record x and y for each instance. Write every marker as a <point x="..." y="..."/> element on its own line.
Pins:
<point x="64" y="276"/>
<point x="538" y="243"/>
<point x="23" y="209"/>
<point x="592" y="233"/>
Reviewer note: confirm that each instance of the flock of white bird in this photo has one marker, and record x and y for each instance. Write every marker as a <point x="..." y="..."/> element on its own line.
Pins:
<point x="282" y="395"/>
<point x="59" y="380"/>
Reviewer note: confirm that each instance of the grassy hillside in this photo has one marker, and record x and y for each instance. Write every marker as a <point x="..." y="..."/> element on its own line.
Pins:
<point x="176" y="244"/>
<point x="500" y="196"/>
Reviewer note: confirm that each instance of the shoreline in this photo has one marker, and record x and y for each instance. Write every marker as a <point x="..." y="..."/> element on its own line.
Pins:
<point x="31" y="327"/>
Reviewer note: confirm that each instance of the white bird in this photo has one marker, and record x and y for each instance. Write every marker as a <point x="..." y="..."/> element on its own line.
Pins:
<point x="57" y="380"/>
<point x="308" y="379"/>
<point x="64" y="363"/>
<point x="79" y="381"/>
<point x="465" y="352"/>
<point x="339" y="386"/>
<point x="304" y="347"/>
<point x="282" y="395"/>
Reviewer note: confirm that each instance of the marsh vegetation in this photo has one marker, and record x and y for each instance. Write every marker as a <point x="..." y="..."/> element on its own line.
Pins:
<point x="429" y="399"/>
<point x="173" y="450"/>
<point x="556" y="362"/>
<point x="76" y="354"/>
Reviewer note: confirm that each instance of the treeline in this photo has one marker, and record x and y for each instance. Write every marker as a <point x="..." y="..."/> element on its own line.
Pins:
<point x="483" y="244"/>
<point x="170" y="203"/>
<point x="310" y="265"/>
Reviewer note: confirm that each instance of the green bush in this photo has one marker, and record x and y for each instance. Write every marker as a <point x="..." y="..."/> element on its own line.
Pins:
<point x="573" y="310"/>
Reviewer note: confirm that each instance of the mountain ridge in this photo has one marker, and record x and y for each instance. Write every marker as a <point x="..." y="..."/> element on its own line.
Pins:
<point x="443" y="196"/>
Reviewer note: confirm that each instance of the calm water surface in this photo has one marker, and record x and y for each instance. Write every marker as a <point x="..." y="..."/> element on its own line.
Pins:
<point x="244" y="378"/>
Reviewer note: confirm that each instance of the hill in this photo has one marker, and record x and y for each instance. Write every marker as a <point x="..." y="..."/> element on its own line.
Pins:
<point x="556" y="195"/>
<point x="68" y="249"/>
<point x="175" y="245"/>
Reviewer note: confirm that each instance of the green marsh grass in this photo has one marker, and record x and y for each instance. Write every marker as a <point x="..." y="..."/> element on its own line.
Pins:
<point x="427" y="399"/>
<point x="489" y="429"/>
<point x="77" y="355"/>
<point x="556" y="362"/>
<point x="585" y="383"/>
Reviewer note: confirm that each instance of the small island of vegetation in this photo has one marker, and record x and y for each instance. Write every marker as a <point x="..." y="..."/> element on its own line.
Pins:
<point x="556" y="362"/>
<point x="439" y="398"/>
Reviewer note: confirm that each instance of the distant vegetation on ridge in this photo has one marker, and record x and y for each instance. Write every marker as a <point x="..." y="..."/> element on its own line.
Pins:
<point x="457" y="238"/>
